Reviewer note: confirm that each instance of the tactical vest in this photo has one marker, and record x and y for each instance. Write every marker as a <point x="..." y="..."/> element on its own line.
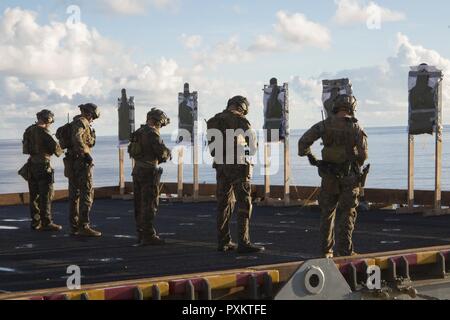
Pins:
<point x="26" y="142"/>
<point x="41" y="144"/>
<point x="339" y="140"/>
<point x="228" y="121"/>
<point x="145" y="154"/>
<point x="89" y="137"/>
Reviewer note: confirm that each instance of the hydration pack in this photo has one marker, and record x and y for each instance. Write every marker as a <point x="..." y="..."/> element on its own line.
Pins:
<point x="64" y="136"/>
<point x="135" y="147"/>
<point x="215" y="123"/>
<point x="26" y="142"/>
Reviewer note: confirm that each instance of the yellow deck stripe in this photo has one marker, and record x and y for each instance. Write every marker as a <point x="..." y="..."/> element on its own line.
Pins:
<point x="222" y="282"/>
<point x="97" y="294"/>
<point x="370" y="262"/>
<point x="427" y="257"/>
<point x="275" y="275"/>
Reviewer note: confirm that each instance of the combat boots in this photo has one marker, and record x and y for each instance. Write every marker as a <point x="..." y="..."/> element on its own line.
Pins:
<point x="74" y="231"/>
<point x="51" y="227"/>
<point x="36" y="227"/>
<point x="152" y="241"/>
<point x="250" y="248"/>
<point x="230" y="246"/>
<point x="87" y="231"/>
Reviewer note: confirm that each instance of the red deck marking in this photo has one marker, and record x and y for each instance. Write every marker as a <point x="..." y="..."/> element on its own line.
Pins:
<point x="55" y="297"/>
<point x="120" y="293"/>
<point x="411" y="258"/>
<point x="179" y="286"/>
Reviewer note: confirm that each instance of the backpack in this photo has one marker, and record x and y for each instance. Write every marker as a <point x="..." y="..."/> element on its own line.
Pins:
<point x="26" y="142"/>
<point x="215" y="123"/>
<point x="64" y="136"/>
<point x="135" y="147"/>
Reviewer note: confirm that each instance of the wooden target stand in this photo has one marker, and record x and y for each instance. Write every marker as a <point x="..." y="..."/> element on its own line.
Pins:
<point x="286" y="201"/>
<point x="195" y="195"/>
<point x="122" y="189"/>
<point x="436" y="208"/>
<point x="126" y="120"/>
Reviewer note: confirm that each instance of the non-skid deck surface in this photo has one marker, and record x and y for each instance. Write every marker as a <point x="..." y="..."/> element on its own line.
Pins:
<point x="30" y="260"/>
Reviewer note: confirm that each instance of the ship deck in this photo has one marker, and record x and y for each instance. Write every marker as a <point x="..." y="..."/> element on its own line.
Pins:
<point x="31" y="260"/>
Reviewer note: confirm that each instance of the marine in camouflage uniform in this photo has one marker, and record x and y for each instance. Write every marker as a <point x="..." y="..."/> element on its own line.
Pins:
<point x="344" y="153"/>
<point x="151" y="152"/>
<point x="79" y="168"/>
<point x="234" y="175"/>
<point x="40" y="145"/>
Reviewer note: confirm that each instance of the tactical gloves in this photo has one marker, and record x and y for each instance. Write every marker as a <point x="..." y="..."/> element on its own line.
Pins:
<point x="88" y="159"/>
<point x="313" y="160"/>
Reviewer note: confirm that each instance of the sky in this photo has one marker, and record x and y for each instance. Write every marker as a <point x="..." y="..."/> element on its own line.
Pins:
<point x="59" y="54"/>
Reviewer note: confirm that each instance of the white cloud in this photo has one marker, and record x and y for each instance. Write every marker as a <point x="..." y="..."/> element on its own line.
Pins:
<point x="381" y="90"/>
<point x="192" y="41"/>
<point x="298" y="30"/>
<point x="136" y="7"/>
<point x="291" y="32"/>
<point x="52" y="51"/>
<point x="352" y="12"/>
<point x="60" y="67"/>
<point x="228" y="51"/>
<point x="126" y="7"/>
<point x="265" y="43"/>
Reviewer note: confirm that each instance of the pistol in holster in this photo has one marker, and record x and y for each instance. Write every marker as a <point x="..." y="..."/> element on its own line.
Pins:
<point x="157" y="174"/>
<point x="363" y="176"/>
<point x="68" y="166"/>
<point x="50" y="175"/>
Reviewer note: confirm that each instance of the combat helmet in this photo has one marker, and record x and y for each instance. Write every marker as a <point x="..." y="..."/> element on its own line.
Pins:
<point x="240" y="102"/>
<point x="344" y="102"/>
<point x="159" y="116"/>
<point x="90" y="108"/>
<point x="46" y="115"/>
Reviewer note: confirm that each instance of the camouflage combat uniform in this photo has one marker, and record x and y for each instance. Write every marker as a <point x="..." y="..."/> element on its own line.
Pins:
<point x="79" y="171"/>
<point x="233" y="182"/>
<point x="345" y="151"/>
<point x="146" y="180"/>
<point x="41" y="175"/>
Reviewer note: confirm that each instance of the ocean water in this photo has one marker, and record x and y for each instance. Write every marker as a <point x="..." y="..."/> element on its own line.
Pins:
<point x="388" y="150"/>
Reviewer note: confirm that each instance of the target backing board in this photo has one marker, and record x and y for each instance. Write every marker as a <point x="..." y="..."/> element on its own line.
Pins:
<point x="425" y="99"/>
<point x="332" y="89"/>
<point x="187" y="116"/>
<point x="276" y="111"/>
